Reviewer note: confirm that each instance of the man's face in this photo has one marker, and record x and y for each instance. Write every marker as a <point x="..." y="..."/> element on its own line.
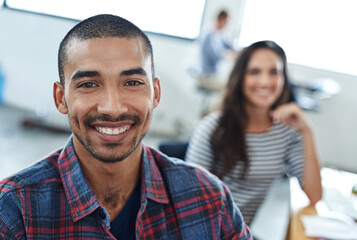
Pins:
<point x="109" y="96"/>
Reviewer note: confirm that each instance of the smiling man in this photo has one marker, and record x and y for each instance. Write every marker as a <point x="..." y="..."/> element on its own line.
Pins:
<point x="105" y="184"/>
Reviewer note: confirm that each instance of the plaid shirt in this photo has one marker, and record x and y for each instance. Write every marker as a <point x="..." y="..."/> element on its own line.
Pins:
<point x="52" y="200"/>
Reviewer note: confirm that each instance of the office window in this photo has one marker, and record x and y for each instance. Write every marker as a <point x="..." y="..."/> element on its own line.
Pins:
<point x="317" y="33"/>
<point x="180" y="18"/>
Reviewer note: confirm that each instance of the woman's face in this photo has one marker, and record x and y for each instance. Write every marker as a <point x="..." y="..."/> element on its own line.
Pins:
<point x="263" y="79"/>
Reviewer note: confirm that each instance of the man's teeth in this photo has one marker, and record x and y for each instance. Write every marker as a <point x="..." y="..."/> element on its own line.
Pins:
<point x="111" y="131"/>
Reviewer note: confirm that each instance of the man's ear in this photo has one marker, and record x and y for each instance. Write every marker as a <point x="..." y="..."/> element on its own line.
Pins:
<point x="157" y="91"/>
<point x="58" y="96"/>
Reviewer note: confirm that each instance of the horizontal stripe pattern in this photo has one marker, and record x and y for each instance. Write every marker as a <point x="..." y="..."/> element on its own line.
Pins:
<point x="272" y="154"/>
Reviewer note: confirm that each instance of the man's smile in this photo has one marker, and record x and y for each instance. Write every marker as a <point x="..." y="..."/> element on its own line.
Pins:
<point x="112" y="130"/>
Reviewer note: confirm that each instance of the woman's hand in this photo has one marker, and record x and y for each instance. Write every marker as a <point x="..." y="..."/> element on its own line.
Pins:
<point x="291" y="115"/>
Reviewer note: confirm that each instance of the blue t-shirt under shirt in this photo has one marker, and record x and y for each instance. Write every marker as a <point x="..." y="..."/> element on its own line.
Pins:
<point x="123" y="226"/>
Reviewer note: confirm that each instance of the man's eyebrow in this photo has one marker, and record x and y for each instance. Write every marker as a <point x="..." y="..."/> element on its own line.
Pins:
<point x="133" y="71"/>
<point x="82" y="74"/>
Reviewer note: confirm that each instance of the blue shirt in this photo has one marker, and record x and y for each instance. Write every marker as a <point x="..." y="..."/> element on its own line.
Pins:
<point x="213" y="47"/>
<point x="123" y="226"/>
<point x="52" y="200"/>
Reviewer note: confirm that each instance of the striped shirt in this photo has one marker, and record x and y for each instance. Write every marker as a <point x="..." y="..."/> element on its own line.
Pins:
<point x="52" y="200"/>
<point x="271" y="154"/>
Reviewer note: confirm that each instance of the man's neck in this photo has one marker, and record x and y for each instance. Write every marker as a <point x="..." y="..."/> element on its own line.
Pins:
<point x="113" y="183"/>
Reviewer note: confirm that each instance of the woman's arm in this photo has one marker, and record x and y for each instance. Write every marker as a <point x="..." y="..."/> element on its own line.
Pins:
<point x="291" y="115"/>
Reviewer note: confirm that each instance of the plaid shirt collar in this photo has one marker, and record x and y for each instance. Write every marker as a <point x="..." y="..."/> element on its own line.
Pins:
<point x="80" y="197"/>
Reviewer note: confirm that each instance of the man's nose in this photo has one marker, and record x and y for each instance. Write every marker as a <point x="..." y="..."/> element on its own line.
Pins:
<point x="112" y="102"/>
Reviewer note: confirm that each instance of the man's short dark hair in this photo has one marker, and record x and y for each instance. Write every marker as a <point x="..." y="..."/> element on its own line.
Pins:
<point x="101" y="26"/>
<point x="223" y="14"/>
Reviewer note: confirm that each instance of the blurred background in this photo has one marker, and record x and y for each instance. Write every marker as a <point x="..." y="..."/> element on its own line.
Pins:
<point x="318" y="37"/>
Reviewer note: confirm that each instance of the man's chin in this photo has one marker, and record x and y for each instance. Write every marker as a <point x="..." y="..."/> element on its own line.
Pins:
<point x="108" y="156"/>
<point x="110" y="159"/>
<point x="113" y="152"/>
<point x="109" y="152"/>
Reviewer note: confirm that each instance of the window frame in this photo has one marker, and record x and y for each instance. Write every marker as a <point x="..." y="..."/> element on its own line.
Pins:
<point x="198" y="31"/>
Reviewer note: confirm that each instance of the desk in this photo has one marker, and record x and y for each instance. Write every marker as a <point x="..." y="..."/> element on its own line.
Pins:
<point x="343" y="181"/>
<point x="272" y="218"/>
<point x="297" y="231"/>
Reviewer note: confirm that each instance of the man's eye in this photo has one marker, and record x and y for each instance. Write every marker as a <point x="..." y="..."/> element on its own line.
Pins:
<point x="133" y="83"/>
<point x="87" y="85"/>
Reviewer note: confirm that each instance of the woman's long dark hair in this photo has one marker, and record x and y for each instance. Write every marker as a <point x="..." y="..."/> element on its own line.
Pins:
<point x="228" y="140"/>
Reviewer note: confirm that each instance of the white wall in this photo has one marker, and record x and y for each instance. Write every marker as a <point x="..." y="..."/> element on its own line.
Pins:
<point x="335" y="123"/>
<point x="28" y="56"/>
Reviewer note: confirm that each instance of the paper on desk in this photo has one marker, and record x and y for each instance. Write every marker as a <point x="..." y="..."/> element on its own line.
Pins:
<point x="331" y="228"/>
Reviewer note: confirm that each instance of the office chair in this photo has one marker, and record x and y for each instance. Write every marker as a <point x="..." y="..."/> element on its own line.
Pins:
<point x="175" y="149"/>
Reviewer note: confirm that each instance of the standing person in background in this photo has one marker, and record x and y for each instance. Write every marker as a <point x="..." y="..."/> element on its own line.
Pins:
<point x="213" y="48"/>
<point x="105" y="184"/>
<point x="257" y="136"/>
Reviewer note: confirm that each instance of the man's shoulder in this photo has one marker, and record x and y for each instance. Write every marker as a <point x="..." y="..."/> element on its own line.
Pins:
<point x="203" y="204"/>
<point x="183" y="176"/>
<point x="37" y="173"/>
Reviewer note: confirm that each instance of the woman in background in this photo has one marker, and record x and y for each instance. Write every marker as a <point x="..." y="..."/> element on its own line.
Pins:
<point x="257" y="136"/>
